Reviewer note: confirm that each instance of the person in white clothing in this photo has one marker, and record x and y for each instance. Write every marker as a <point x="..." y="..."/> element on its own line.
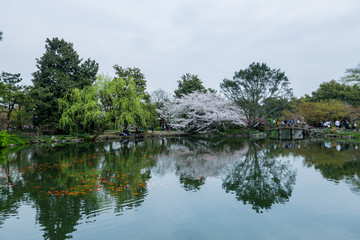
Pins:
<point x="337" y="124"/>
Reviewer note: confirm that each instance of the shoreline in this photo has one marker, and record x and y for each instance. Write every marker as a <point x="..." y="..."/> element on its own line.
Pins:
<point x="316" y="134"/>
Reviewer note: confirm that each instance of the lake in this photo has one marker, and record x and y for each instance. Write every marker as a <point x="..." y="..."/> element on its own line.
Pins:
<point x="181" y="188"/>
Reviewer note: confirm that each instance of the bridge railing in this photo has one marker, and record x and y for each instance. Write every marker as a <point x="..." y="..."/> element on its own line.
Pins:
<point x="281" y="126"/>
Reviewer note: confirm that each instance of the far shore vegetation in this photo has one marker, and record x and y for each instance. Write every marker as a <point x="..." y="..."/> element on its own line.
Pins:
<point x="68" y="100"/>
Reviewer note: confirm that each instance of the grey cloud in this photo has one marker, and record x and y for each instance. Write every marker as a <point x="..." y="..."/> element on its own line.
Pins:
<point x="312" y="41"/>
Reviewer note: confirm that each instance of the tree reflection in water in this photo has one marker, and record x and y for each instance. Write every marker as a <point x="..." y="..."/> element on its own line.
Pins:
<point x="73" y="183"/>
<point x="69" y="184"/>
<point x="195" y="160"/>
<point x="260" y="180"/>
<point x="336" y="160"/>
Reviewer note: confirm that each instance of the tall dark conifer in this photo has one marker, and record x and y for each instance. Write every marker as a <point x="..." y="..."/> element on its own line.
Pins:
<point x="59" y="70"/>
<point x="189" y="83"/>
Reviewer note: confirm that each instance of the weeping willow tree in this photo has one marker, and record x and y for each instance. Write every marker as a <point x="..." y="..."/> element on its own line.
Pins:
<point x="108" y="102"/>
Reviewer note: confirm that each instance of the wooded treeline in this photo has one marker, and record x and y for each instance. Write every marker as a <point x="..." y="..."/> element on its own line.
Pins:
<point x="68" y="96"/>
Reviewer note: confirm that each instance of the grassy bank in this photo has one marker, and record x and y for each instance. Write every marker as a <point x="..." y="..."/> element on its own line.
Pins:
<point x="24" y="137"/>
<point x="336" y="133"/>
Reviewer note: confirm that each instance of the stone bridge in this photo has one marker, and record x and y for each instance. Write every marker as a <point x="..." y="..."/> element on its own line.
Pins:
<point x="287" y="132"/>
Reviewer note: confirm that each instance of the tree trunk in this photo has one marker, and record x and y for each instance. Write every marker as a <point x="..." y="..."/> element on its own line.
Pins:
<point x="94" y="137"/>
<point x="98" y="133"/>
<point x="8" y="115"/>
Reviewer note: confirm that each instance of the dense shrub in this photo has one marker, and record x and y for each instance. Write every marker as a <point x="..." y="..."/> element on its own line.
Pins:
<point x="7" y="139"/>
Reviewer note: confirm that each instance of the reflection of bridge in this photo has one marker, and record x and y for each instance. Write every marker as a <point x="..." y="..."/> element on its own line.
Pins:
<point x="286" y="132"/>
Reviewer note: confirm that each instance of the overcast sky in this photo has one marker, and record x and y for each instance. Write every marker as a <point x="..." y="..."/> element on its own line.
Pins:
<point x="312" y="41"/>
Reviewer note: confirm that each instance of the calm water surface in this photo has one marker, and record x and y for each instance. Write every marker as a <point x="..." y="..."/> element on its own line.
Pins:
<point x="180" y="188"/>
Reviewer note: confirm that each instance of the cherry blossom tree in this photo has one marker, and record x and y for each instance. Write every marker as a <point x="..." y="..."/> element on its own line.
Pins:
<point x="200" y="112"/>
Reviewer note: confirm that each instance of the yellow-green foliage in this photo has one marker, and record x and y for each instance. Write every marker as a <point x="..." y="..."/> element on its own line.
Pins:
<point x="108" y="101"/>
<point x="7" y="139"/>
<point x="326" y="110"/>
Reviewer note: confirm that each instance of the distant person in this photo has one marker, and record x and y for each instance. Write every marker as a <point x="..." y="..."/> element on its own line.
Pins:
<point x="338" y="147"/>
<point x="347" y="127"/>
<point x="337" y="124"/>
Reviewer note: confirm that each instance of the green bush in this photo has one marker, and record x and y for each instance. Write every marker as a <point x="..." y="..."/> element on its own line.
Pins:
<point x="262" y="128"/>
<point x="158" y="129"/>
<point x="85" y="136"/>
<point x="7" y="139"/>
<point x="4" y="139"/>
<point x="235" y="131"/>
